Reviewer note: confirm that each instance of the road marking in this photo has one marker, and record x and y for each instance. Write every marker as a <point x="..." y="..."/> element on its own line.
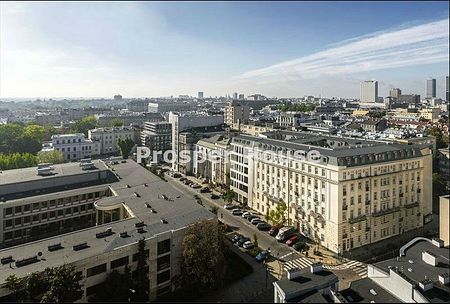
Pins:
<point x="297" y="263"/>
<point x="286" y="255"/>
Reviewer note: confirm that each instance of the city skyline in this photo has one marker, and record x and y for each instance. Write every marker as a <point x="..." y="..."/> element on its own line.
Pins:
<point x="160" y="49"/>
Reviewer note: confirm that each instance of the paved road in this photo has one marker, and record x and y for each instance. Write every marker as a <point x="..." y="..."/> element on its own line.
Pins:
<point x="243" y="226"/>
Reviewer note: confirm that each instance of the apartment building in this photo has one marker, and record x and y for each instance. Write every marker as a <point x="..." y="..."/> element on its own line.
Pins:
<point x="73" y="146"/>
<point x="139" y="206"/>
<point x="344" y="193"/>
<point x="236" y="112"/>
<point x="107" y="139"/>
<point x="157" y="136"/>
<point x="215" y="153"/>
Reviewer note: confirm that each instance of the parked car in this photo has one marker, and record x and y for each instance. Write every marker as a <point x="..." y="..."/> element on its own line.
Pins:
<point x="274" y="230"/>
<point x="195" y="186"/>
<point x="263" y="226"/>
<point x="176" y="175"/>
<point x="183" y="179"/>
<point x="248" y="245"/>
<point x="292" y="240"/>
<point x="284" y="233"/>
<point x="236" y="212"/>
<point x="214" y="196"/>
<point x="242" y="241"/>
<point x="251" y="216"/>
<point x="187" y="182"/>
<point x="245" y="214"/>
<point x="262" y="256"/>
<point x="299" y="246"/>
<point x="255" y="221"/>
<point x="236" y="238"/>
<point x="229" y="206"/>
<point x="196" y="196"/>
<point x="205" y="190"/>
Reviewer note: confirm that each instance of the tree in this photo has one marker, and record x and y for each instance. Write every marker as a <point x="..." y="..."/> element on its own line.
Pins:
<point x="15" y="138"/>
<point x="277" y="215"/>
<point x="35" y="131"/>
<point x="117" y="288"/>
<point x="17" y="161"/>
<point x="84" y="125"/>
<point x="57" y="284"/>
<point x="441" y="139"/>
<point x="141" y="279"/>
<point x="125" y="147"/>
<point x="54" y="157"/>
<point x="116" y="122"/>
<point x="203" y="265"/>
<point x="229" y="195"/>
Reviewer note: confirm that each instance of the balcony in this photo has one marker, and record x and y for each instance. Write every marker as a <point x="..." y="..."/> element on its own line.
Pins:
<point x="385" y="211"/>
<point x="411" y="205"/>
<point x="357" y="219"/>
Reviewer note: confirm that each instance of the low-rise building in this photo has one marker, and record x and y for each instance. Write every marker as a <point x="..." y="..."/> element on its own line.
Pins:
<point x="107" y="139"/>
<point x="73" y="146"/>
<point x="236" y="112"/>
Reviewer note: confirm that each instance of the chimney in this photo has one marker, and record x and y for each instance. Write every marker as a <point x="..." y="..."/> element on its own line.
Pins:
<point x="316" y="267"/>
<point x="426" y="284"/>
<point x="444" y="278"/>
<point x="429" y="258"/>
<point x="293" y="273"/>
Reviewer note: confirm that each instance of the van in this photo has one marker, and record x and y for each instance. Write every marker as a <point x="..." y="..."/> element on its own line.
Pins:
<point x="285" y="233"/>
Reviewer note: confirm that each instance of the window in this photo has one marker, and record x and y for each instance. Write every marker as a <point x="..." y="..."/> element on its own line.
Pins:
<point x="26" y="208"/>
<point x="96" y="270"/>
<point x="163" y="277"/>
<point x="163" y="262"/>
<point x="18" y="221"/>
<point x="18" y="209"/>
<point x="135" y="256"/>
<point x="8" y="223"/>
<point x="36" y="206"/>
<point x="119" y="262"/>
<point x="94" y="289"/>
<point x="8" y="211"/>
<point x="164" y="246"/>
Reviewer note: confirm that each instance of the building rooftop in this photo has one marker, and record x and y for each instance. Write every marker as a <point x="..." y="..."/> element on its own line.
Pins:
<point x="366" y="291"/>
<point x="148" y="199"/>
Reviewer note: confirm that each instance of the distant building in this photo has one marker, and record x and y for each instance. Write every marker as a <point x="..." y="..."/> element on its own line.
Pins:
<point x="395" y="93"/>
<point x="154" y="107"/>
<point x="431" y="88"/>
<point x="200" y="95"/>
<point x="369" y="91"/>
<point x="431" y="114"/>
<point x="447" y="92"/>
<point x="138" y="105"/>
<point x="236" y="112"/>
<point x="241" y="97"/>
<point x="117" y="97"/>
<point x="409" y="99"/>
<point x="73" y="146"/>
<point x="235" y="95"/>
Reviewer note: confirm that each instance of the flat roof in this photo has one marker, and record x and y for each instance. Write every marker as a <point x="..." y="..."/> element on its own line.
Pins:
<point x="170" y="203"/>
<point x="30" y="174"/>
<point x="359" y="292"/>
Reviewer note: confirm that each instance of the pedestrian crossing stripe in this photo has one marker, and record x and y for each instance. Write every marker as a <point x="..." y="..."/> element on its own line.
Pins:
<point x="297" y="263"/>
<point x="286" y="255"/>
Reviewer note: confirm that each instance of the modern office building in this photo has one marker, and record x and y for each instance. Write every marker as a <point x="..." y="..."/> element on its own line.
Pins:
<point x="200" y="95"/>
<point x="369" y="91"/>
<point x="157" y="136"/>
<point x="236" y="112"/>
<point x="107" y="139"/>
<point x="431" y="88"/>
<point x="185" y="121"/>
<point x="350" y="193"/>
<point x="395" y="93"/>
<point x="124" y="203"/>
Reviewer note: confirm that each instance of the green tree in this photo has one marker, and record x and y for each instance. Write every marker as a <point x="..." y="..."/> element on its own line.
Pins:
<point x="441" y="139"/>
<point x="35" y="131"/>
<point x="117" y="288"/>
<point x="84" y="125"/>
<point x="17" y="161"/>
<point x="116" y="122"/>
<point x="277" y="215"/>
<point x="125" y="147"/>
<point x="141" y="280"/>
<point x="229" y="195"/>
<point x="57" y="284"/>
<point x="54" y="156"/>
<point x="203" y="265"/>
<point x="14" y="138"/>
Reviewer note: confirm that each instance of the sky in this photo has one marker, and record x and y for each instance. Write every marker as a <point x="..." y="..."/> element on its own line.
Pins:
<point x="283" y="49"/>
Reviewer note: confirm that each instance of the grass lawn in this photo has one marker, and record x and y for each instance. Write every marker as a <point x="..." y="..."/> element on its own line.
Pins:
<point x="236" y="269"/>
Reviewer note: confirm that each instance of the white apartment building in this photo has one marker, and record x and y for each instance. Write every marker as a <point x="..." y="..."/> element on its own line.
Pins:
<point x="236" y="112"/>
<point x="73" y="146"/>
<point x="369" y="91"/>
<point x="106" y="139"/>
<point x="359" y="192"/>
<point x="216" y="167"/>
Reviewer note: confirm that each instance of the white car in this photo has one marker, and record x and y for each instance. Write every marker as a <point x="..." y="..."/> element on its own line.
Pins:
<point x="229" y="206"/>
<point x="255" y="221"/>
<point x="248" y="245"/>
<point x="245" y="214"/>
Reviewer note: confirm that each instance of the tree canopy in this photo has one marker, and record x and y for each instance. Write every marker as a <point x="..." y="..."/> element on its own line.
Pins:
<point x="53" y="156"/>
<point x="297" y="107"/>
<point x="16" y="138"/>
<point x="116" y="288"/>
<point x="125" y="145"/>
<point x="441" y="138"/>
<point x="17" y="161"/>
<point x="277" y="215"/>
<point x="84" y="125"/>
<point x="203" y="264"/>
<point x="116" y="122"/>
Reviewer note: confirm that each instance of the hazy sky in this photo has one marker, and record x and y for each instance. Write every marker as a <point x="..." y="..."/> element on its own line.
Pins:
<point x="145" y="49"/>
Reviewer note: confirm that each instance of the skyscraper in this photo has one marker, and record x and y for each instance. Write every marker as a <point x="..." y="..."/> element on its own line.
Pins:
<point x="447" y="93"/>
<point x="235" y="95"/>
<point x="369" y="91"/>
<point x="395" y="93"/>
<point x="200" y="95"/>
<point x="431" y="88"/>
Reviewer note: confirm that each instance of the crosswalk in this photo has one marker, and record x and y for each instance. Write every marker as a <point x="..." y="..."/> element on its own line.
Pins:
<point x="297" y="263"/>
<point x="357" y="267"/>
